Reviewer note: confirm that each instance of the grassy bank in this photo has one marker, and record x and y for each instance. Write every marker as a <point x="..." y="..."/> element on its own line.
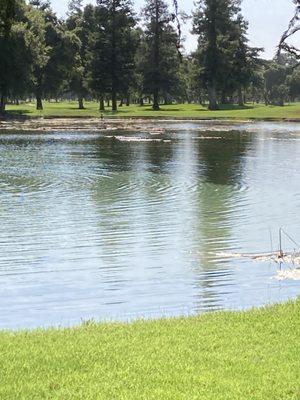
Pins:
<point x="251" y="355"/>
<point x="190" y="111"/>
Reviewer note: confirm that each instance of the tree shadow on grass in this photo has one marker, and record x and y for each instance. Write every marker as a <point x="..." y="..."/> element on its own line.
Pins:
<point x="20" y="111"/>
<point x="163" y="109"/>
<point x="78" y="109"/>
<point x="228" y="107"/>
<point x="17" y="114"/>
<point x="223" y="107"/>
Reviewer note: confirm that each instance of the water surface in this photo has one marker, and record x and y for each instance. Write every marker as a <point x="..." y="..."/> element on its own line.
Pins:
<point x="125" y="224"/>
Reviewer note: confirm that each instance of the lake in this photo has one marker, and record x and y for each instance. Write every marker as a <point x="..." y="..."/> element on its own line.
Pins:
<point x="140" y="222"/>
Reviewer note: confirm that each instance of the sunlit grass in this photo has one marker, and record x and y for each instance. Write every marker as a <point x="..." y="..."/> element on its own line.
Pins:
<point x="244" y="356"/>
<point x="190" y="111"/>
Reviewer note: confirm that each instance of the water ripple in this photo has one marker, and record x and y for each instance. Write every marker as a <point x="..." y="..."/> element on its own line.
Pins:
<point x="94" y="227"/>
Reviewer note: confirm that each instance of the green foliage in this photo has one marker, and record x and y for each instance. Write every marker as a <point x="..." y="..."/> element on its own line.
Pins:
<point x="293" y="84"/>
<point x="99" y="53"/>
<point x="53" y="51"/>
<point x="78" y="25"/>
<point x="159" y="62"/>
<point x="276" y="90"/>
<point x="112" y="49"/>
<point x="7" y="15"/>
<point x="225" y="61"/>
<point x="225" y="356"/>
<point x="14" y="60"/>
<point x="213" y="23"/>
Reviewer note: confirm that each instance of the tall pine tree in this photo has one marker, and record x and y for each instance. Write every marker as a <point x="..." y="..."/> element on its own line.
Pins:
<point x="111" y="54"/>
<point x="160" y="64"/>
<point x="213" y="23"/>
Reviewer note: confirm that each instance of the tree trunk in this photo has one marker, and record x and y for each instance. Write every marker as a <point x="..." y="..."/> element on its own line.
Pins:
<point x="240" y="97"/>
<point x="121" y="103"/>
<point x="128" y="101"/>
<point x="2" y="105"/>
<point x="39" y="102"/>
<point x="187" y="97"/>
<point x="80" y="103"/>
<point x="141" y="101"/>
<point x="212" y="97"/>
<point x="155" y="101"/>
<point x="224" y="98"/>
<point x="114" y="105"/>
<point x="101" y="106"/>
<point x="267" y="102"/>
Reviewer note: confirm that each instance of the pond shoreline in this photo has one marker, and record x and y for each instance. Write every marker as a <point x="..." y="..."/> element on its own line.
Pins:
<point x="147" y="119"/>
<point x="94" y="124"/>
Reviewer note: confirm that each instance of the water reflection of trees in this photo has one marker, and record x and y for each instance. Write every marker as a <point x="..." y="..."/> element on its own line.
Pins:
<point x="218" y="204"/>
<point x="128" y="201"/>
<point x="173" y="198"/>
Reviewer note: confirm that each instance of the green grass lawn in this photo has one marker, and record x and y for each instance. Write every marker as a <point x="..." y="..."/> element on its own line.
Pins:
<point x="243" y="356"/>
<point x="67" y="109"/>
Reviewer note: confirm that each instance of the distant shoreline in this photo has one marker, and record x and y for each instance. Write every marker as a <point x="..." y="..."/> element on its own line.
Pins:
<point x="160" y="118"/>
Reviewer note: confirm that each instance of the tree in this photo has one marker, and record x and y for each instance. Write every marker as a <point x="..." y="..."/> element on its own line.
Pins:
<point x="14" y="49"/>
<point x="7" y="15"/>
<point x="40" y="50"/>
<point x="76" y="23"/>
<point x="275" y="84"/>
<point x="214" y="23"/>
<point x="64" y="45"/>
<point x="97" y="54"/>
<point x="160" y="64"/>
<point x="112" y="49"/>
<point x="53" y="48"/>
<point x="244" y="60"/>
<point x="293" y="84"/>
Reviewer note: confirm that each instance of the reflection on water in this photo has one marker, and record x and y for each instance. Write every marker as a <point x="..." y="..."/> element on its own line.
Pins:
<point x="95" y="227"/>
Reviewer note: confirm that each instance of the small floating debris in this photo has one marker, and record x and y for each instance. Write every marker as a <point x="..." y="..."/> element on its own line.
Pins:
<point x="207" y="138"/>
<point x="157" y="131"/>
<point x="277" y="257"/>
<point x="136" y="139"/>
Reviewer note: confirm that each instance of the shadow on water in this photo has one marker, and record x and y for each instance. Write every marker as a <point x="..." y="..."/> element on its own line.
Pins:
<point x="223" y="167"/>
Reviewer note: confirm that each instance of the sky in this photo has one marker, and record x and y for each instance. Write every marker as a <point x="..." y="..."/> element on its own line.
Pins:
<point x="267" y="21"/>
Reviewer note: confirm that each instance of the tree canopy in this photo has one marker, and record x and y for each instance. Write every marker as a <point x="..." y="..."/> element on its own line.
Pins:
<point x="105" y="52"/>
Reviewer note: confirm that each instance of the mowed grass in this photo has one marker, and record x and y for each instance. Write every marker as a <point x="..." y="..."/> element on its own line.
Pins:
<point x="239" y="355"/>
<point x="189" y="111"/>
